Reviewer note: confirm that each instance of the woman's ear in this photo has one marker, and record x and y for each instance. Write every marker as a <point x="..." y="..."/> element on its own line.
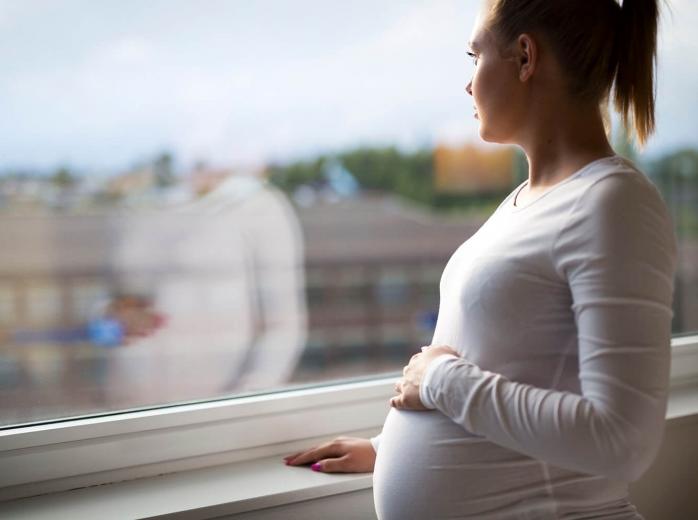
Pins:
<point x="527" y="56"/>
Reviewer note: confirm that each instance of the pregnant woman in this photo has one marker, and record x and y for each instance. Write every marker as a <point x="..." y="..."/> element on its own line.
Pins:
<point x="544" y="390"/>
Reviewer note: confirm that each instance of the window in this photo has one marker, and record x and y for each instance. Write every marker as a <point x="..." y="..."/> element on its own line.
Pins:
<point x="187" y="194"/>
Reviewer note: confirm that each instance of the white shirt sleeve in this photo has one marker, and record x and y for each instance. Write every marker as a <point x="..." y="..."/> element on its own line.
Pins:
<point x="424" y="395"/>
<point x="617" y="252"/>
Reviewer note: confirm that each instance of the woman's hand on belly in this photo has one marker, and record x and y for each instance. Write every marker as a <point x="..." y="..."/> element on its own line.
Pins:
<point x="412" y="376"/>
<point x="341" y="455"/>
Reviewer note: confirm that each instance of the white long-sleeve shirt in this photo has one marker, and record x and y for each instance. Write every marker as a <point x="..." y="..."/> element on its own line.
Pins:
<point x="560" y="311"/>
<point x="226" y="273"/>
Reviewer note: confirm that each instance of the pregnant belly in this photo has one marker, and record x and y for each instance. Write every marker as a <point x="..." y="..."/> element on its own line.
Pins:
<point x="428" y="467"/>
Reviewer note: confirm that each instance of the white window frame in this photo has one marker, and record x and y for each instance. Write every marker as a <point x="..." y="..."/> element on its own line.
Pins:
<point x="79" y="453"/>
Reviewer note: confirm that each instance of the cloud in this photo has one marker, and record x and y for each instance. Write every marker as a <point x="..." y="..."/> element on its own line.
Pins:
<point x="253" y="82"/>
<point x="131" y="50"/>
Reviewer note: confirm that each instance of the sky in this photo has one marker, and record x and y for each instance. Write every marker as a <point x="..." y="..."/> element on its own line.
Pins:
<point x="104" y="85"/>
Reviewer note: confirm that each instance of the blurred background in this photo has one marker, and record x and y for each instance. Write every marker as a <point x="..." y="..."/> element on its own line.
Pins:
<point x="205" y="200"/>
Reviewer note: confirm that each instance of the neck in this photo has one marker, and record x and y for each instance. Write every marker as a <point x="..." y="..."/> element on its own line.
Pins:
<point x="561" y="140"/>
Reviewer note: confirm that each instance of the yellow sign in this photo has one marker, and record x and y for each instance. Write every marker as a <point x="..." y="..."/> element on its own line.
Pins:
<point x="470" y="169"/>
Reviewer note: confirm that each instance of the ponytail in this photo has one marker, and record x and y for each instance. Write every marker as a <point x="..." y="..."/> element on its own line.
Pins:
<point x="636" y="54"/>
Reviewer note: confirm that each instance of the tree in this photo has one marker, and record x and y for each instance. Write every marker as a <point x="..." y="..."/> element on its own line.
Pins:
<point x="64" y="179"/>
<point x="163" y="168"/>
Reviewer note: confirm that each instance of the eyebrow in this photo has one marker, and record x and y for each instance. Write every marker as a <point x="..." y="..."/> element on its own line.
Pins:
<point x="474" y="45"/>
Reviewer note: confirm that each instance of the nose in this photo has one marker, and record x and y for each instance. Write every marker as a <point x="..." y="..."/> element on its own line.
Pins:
<point x="469" y="88"/>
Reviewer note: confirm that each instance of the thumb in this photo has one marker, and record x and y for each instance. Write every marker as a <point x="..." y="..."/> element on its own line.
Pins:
<point x="336" y="465"/>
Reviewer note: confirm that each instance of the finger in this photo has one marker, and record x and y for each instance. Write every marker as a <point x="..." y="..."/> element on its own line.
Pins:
<point x="315" y="454"/>
<point x="336" y="465"/>
<point x="288" y="458"/>
<point x="292" y="460"/>
<point x="303" y="458"/>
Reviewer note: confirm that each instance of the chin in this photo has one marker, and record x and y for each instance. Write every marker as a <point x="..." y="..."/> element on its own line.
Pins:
<point x="489" y="136"/>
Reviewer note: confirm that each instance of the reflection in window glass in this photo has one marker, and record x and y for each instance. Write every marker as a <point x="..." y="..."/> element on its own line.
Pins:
<point x="7" y="306"/>
<point x="198" y="203"/>
<point x="85" y="297"/>
<point x="676" y="175"/>
<point x="43" y="304"/>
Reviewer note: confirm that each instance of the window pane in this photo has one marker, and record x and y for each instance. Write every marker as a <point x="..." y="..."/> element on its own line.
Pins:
<point x="199" y="202"/>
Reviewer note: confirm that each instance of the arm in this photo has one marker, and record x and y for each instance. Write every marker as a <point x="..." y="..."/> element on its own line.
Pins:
<point x="275" y="242"/>
<point x="617" y="252"/>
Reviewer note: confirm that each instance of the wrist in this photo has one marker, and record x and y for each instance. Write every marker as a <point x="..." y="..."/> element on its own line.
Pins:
<point x="429" y="382"/>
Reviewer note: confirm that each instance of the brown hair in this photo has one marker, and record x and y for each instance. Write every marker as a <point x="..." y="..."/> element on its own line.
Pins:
<point x="601" y="46"/>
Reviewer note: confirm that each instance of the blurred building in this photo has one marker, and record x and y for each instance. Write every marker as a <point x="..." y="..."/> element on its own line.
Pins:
<point x="373" y="265"/>
<point x="225" y="271"/>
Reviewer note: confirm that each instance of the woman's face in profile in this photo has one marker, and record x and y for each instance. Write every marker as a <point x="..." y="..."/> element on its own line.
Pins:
<point x="495" y="86"/>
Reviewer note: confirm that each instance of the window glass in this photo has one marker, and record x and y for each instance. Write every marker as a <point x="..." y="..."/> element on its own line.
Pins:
<point x="199" y="201"/>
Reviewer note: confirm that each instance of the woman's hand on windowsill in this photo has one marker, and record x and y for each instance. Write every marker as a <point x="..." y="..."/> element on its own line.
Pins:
<point x="341" y="455"/>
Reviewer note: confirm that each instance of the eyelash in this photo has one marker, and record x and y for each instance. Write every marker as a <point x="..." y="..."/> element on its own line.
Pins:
<point x="473" y="57"/>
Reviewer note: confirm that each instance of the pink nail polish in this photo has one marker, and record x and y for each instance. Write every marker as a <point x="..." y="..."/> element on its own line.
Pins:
<point x="316" y="467"/>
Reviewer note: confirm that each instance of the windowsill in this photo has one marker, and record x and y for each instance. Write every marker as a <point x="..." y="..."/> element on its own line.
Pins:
<point x="204" y="493"/>
<point x="228" y="489"/>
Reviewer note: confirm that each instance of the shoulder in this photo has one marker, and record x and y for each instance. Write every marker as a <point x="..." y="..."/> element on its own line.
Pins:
<point x="614" y="192"/>
<point x="617" y="181"/>
<point x="617" y="212"/>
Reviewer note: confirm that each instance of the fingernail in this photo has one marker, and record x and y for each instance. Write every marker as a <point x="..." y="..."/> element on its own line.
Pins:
<point x="316" y="467"/>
